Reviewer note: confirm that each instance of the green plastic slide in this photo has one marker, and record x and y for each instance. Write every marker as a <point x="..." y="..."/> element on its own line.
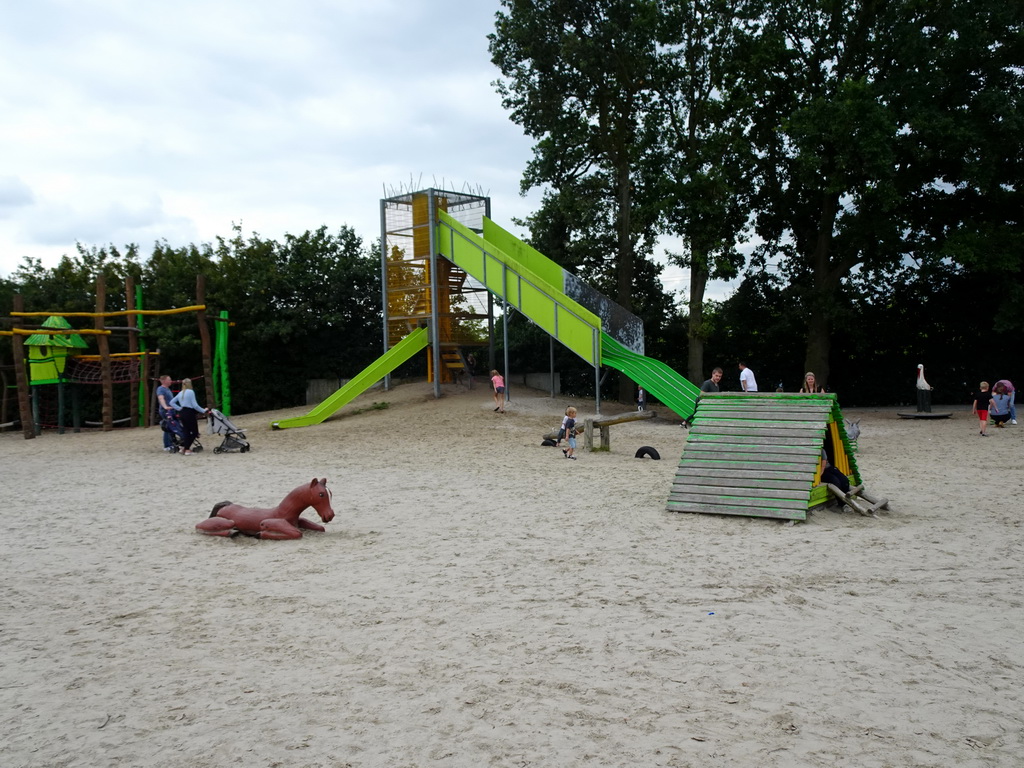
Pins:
<point x="671" y="388"/>
<point x="369" y="376"/>
<point x="534" y="289"/>
<point x="532" y="295"/>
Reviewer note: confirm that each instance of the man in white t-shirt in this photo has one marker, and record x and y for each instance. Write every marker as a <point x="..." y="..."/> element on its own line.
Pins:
<point x="747" y="380"/>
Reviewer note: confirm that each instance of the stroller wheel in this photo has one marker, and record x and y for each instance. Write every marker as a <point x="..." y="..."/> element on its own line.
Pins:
<point x="218" y="449"/>
<point x="245" y="449"/>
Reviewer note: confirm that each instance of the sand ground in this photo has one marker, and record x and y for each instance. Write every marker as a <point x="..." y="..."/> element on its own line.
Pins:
<point x="480" y="601"/>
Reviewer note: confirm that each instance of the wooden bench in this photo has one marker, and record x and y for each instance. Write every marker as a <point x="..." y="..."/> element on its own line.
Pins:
<point x="604" y="427"/>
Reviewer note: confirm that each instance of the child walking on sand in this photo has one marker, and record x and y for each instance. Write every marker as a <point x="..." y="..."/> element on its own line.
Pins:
<point x="499" y="391"/>
<point x="569" y="426"/>
<point x="982" y="400"/>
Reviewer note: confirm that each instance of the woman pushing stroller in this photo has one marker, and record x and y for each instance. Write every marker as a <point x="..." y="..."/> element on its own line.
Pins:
<point x="185" y="404"/>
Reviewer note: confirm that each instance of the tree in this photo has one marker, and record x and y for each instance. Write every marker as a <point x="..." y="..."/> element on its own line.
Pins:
<point x="886" y="133"/>
<point x="579" y="78"/>
<point x="705" y="159"/>
<point x="305" y="308"/>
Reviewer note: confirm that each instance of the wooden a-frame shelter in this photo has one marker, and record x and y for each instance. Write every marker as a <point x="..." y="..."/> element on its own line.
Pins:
<point x="761" y="455"/>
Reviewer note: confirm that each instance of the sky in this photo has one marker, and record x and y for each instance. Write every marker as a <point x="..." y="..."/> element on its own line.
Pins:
<point x="125" y="122"/>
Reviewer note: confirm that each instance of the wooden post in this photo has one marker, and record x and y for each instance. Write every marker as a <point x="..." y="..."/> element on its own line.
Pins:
<point x="3" y="396"/>
<point x="60" y="407"/>
<point x="204" y="337"/>
<point x="21" y="375"/>
<point x="133" y="347"/>
<point x="147" y="417"/>
<point x="103" y="342"/>
<point x="154" y="375"/>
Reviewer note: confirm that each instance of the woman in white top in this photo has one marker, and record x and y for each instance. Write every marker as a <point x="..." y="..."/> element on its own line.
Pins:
<point x="185" y="403"/>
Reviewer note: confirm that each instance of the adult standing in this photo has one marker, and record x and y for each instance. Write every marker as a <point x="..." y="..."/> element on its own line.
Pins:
<point x="1008" y="385"/>
<point x="164" y="409"/>
<point x="185" y="403"/>
<point x="811" y="384"/>
<point x="747" y="380"/>
<point x="711" y="385"/>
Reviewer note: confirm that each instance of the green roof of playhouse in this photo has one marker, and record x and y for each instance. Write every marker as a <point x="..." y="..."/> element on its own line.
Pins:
<point x="70" y="340"/>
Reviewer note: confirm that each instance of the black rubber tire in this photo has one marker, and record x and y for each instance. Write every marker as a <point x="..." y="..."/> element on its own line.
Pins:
<point x="645" y="450"/>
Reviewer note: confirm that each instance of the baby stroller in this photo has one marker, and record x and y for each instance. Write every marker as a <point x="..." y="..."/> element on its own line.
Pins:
<point x="172" y="423"/>
<point x="234" y="438"/>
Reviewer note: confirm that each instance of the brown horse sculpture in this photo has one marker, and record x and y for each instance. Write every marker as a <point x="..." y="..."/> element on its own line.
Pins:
<point x="281" y="522"/>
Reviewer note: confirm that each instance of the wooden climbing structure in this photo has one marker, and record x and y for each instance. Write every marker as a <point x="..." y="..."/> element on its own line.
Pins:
<point x="761" y="455"/>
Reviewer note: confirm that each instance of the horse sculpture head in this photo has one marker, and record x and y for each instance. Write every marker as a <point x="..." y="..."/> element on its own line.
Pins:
<point x="320" y="499"/>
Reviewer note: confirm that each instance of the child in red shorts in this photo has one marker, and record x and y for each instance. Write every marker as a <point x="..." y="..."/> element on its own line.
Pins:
<point x="981" y="403"/>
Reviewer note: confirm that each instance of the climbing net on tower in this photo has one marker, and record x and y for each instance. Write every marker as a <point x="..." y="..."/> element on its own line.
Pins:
<point x="89" y="370"/>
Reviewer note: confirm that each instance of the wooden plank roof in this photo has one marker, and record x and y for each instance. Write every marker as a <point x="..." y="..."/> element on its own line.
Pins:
<point x="756" y="454"/>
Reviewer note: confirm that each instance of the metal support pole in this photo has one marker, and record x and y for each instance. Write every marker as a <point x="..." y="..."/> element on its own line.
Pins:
<point x="490" y="330"/>
<point x="435" y="293"/>
<point x="384" y="282"/>
<point x="504" y="327"/>
<point x="551" y="362"/>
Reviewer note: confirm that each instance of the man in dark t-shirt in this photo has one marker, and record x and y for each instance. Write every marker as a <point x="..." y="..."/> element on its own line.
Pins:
<point x="711" y="385"/>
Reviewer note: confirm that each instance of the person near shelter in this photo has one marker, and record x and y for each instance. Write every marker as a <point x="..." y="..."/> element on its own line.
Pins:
<point x="187" y="407"/>
<point x="570" y="432"/>
<point x="711" y="385"/>
<point x="982" y="400"/>
<point x="747" y="380"/>
<point x="499" y="391"/>
<point x="999" y="408"/>
<point x="811" y="384"/>
<point x="1013" y="398"/>
<point x="164" y="409"/>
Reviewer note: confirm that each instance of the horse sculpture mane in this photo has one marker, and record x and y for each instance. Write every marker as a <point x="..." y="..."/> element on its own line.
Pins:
<point x="281" y="522"/>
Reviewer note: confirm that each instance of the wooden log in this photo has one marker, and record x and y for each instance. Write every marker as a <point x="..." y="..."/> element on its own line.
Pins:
<point x="103" y="342"/>
<point x="204" y="341"/>
<point x="28" y="429"/>
<point x="876" y="502"/>
<point x="554" y="435"/>
<point x="623" y="418"/>
<point x="133" y="348"/>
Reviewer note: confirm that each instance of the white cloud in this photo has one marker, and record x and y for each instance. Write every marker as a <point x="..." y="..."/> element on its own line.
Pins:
<point x="128" y="123"/>
<point x="14" y="193"/>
